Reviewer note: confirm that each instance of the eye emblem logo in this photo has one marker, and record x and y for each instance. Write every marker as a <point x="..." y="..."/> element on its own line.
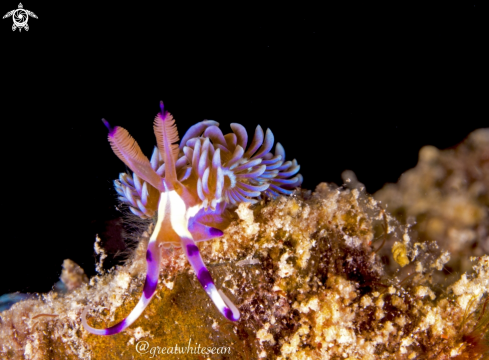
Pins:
<point x="20" y="17"/>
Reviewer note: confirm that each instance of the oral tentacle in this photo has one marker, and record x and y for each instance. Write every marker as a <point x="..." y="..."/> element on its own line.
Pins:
<point x="223" y="304"/>
<point x="150" y="285"/>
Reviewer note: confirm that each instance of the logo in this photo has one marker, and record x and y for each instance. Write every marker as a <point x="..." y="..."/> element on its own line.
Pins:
<point x="20" y="17"/>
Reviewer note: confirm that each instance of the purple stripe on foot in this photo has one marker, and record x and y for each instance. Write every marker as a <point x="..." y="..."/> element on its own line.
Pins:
<point x="149" y="256"/>
<point x="192" y="250"/>
<point x="204" y="277"/>
<point x="116" y="328"/>
<point x="215" y="232"/>
<point x="229" y="314"/>
<point x="149" y="287"/>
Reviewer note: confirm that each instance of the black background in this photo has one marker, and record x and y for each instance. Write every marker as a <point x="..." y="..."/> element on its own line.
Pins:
<point x="341" y="87"/>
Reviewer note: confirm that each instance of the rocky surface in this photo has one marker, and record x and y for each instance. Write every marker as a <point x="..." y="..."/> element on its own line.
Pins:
<point x="329" y="274"/>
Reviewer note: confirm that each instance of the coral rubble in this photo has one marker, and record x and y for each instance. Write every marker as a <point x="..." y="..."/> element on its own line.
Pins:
<point x="324" y="275"/>
<point x="447" y="195"/>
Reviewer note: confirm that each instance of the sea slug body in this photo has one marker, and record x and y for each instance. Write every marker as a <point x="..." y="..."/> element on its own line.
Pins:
<point x="190" y="187"/>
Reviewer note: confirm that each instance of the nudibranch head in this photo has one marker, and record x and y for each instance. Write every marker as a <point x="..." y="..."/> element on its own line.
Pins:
<point x="189" y="186"/>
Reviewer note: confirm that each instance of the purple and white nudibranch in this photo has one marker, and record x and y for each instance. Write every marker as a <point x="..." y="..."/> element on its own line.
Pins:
<point x="189" y="187"/>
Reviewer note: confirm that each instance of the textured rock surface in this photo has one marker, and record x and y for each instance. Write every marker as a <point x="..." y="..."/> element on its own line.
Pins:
<point x="327" y="275"/>
<point x="447" y="196"/>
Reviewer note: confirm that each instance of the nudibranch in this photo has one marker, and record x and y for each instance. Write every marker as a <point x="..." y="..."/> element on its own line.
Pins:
<point x="189" y="187"/>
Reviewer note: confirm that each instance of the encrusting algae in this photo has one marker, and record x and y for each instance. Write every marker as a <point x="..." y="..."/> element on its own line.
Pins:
<point x="310" y="284"/>
<point x="446" y="197"/>
<point x="329" y="274"/>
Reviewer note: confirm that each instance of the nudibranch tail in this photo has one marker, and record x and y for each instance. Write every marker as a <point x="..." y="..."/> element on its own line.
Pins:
<point x="150" y="284"/>
<point x="223" y="304"/>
